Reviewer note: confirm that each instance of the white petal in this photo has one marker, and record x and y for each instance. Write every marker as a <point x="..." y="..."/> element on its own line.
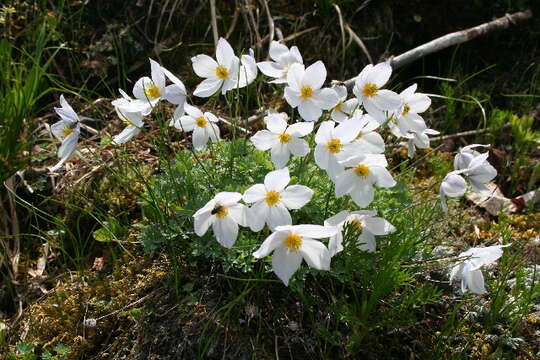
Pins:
<point x="379" y="74"/>
<point x="383" y="176"/>
<point x="315" y="231"/>
<point x="238" y="212"/>
<point x="270" y="68"/>
<point x="227" y="198"/>
<point x="474" y="281"/>
<point x="175" y="95"/>
<point x="255" y="193"/>
<point x="127" y="134"/>
<point x="315" y="254"/>
<point x="277" y="180"/>
<point x="322" y="156"/>
<point x="285" y="263"/>
<point x="337" y="219"/>
<point x="345" y="182"/>
<point x="213" y="131"/>
<point x="69" y="144"/>
<point x="325" y="132"/>
<point x="315" y="75"/>
<point x="296" y="196"/>
<point x="386" y="100"/>
<point x="366" y="242"/>
<point x="276" y="123"/>
<point x="185" y="123"/>
<point x="348" y="130"/>
<point x="280" y="155"/>
<point x="200" y="138"/>
<point x="378" y="226"/>
<point x="139" y="87"/>
<point x="294" y="76"/>
<point x="298" y="147"/>
<point x="264" y="140"/>
<point x="419" y="103"/>
<point x="225" y="230"/>
<point x="278" y="215"/>
<point x="158" y="77"/>
<point x="204" y="66"/>
<point x="270" y="243"/>
<point x="453" y="185"/>
<point x="292" y="97"/>
<point x="202" y="222"/>
<point x="309" y="111"/>
<point x="257" y="216"/>
<point x="224" y="53"/>
<point x="277" y="50"/>
<point x="325" y="99"/>
<point x="208" y="87"/>
<point x="362" y="194"/>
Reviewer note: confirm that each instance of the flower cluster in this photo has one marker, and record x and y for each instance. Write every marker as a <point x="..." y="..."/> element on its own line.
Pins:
<point x="349" y="147"/>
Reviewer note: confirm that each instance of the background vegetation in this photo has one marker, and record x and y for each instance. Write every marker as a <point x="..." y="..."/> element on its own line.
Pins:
<point x="101" y="261"/>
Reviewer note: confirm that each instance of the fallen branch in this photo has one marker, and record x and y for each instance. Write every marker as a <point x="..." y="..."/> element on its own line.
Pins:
<point x="454" y="38"/>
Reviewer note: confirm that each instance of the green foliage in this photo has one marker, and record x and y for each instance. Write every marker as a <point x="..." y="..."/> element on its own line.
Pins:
<point x="23" y="83"/>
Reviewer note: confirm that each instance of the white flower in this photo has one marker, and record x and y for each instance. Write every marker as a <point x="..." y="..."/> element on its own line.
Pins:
<point x="332" y="143"/>
<point x="282" y="139"/>
<point x="202" y="124"/>
<point x="479" y="172"/>
<point x="465" y="155"/>
<point x="283" y="59"/>
<point x="418" y="139"/>
<point x="67" y="131"/>
<point x="272" y="200"/>
<point x="469" y="271"/>
<point x="367" y="140"/>
<point x="453" y="185"/>
<point x="364" y="222"/>
<point x="407" y="118"/>
<point x="227" y="73"/>
<point x="224" y="213"/>
<point x="291" y="244"/>
<point x="133" y="119"/>
<point x="304" y="90"/>
<point x="149" y="91"/>
<point x="344" y="108"/>
<point x="367" y="88"/>
<point x="365" y="171"/>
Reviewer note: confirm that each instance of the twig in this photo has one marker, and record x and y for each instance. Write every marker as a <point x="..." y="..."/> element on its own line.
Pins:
<point x="270" y="22"/>
<point x="214" y="21"/>
<point x="233" y="23"/>
<point x="300" y="33"/>
<point x="359" y="42"/>
<point x="254" y="24"/>
<point x="454" y="38"/>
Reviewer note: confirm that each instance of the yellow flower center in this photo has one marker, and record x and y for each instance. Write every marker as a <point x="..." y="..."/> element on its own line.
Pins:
<point x="220" y="211"/>
<point x="272" y="198"/>
<point x="293" y="242"/>
<point x="334" y="146"/>
<point x="66" y="131"/>
<point x="369" y="90"/>
<point x="222" y="72"/>
<point x="200" y="122"/>
<point x="361" y="170"/>
<point x="357" y="224"/>
<point x="406" y="109"/>
<point x="284" y="138"/>
<point x="339" y="106"/>
<point x="306" y="91"/>
<point x="152" y="92"/>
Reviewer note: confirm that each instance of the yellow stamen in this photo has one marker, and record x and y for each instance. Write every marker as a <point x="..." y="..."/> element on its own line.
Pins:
<point x="222" y="72"/>
<point x="357" y="224"/>
<point x="406" y="109"/>
<point x="152" y="92"/>
<point x="66" y="131"/>
<point x="284" y="138"/>
<point x="200" y="122"/>
<point x="272" y="198"/>
<point x="222" y="211"/>
<point x="339" y="106"/>
<point x="361" y="170"/>
<point x="293" y="242"/>
<point x="306" y="91"/>
<point x="369" y="90"/>
<point x="334" y="146"/>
